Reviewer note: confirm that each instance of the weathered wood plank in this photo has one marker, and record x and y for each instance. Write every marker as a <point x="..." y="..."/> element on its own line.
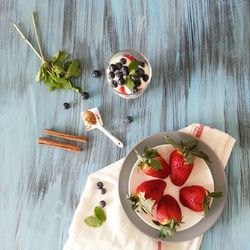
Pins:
<point x="199" y="51"/>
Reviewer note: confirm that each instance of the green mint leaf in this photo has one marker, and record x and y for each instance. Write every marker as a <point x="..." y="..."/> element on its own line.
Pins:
<point x="66" y="65"/>
<point x="155" y="164"/>
<point x="73" y="69"/>
<point x="66" y="84"/>
<point x="129" y="83"/>
<point x="60" y="57"/>
<point x="58" y="69"/>
<point x="100" y="213"/>
<point x="133" y="66"/>
<point x="93" y="221"/>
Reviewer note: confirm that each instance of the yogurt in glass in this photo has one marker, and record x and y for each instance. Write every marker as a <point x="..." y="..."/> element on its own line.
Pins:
<point x="128" y="73"/>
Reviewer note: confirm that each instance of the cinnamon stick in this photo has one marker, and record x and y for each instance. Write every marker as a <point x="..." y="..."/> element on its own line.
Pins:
<point x="66" y="136"/>
<point x="58" y="144"/>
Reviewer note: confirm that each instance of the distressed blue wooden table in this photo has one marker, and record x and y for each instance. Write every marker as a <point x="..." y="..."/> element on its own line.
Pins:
<point x="199" y="52"/>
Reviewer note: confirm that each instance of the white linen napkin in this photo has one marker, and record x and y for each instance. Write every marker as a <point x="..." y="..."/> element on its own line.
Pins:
<point x="117" y="232"/>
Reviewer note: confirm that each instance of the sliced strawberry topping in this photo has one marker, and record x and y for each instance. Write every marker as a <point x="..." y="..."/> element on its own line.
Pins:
<point x="122" y="90"/>
<point x="131" y="58"/>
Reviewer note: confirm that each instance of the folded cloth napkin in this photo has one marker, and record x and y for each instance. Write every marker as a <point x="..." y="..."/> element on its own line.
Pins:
<point x="118" y="233"/>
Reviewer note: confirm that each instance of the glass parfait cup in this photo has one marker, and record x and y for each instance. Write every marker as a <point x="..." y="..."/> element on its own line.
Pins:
<point x="128" y="73"/>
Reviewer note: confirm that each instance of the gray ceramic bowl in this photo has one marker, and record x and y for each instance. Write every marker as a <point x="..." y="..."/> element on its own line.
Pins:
<point x="220" y="185"/>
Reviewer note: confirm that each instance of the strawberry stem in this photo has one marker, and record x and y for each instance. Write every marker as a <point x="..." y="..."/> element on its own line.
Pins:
<point x="140" y="203"/>
<point x="188" y="150"/>
<point x="148" y="157"/>
<point x="168" y="229"/>
<point x="207" y="201"/>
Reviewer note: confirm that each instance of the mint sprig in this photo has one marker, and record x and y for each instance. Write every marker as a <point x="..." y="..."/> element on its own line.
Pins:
<point x="132" y="68"/>
<point x="97" y="219"/>
<point x="57" y="73"/>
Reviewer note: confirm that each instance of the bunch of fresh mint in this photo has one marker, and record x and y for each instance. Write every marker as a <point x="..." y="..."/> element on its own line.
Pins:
<point x="97" y="219"/>
<point x="58" y="72"/>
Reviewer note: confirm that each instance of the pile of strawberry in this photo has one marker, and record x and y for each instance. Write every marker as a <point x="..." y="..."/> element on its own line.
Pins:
<point x="150" y="194"/>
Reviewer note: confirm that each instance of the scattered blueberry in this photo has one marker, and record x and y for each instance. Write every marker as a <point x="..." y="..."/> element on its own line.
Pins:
<point x="99" y="185"/>
<point x="142" y="64"/>
<point x="112" y="67"/>
<point x="140" y="72"/>
<point x="103" y="191"/>
<point x="145" y="78"/>
<point x="119" y="74"/>
<point x="135" y="78"/>
<point x="121" y="81"/>
<point x="102" y="204"/>
<point x="125" y="70"/>
<point x="66" y="105"/>
<point x="114" y="83"/>
<point x="118" y="66"/>
<point x="129" y="119"/>
<point x="123" y="60"/>
<point x="85" y="95"/>
<point x="96" y="73"/>
<point x="111" y="74"/>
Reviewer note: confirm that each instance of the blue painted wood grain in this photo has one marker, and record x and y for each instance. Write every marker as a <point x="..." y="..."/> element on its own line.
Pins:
<point x="199" y="51"/>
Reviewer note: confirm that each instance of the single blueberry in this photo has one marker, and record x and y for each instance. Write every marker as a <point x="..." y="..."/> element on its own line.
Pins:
<point x="112" y="67"/>
<point x="119" y="74"/>
<point x="99" y="185"/>
<point x="111" y="75"/>
<point x="85" y="95"/>
<point x="103" y="191"/>
<point x="96" y="73"/>
<point x="102" y="204"/>
<point x="118" y="66"/>
<point x="137" y="83"/>
<point x="140" y="72"/>
<point x="129" y="119"/>
<point x="66" y="105"/>
<point x="145" y="78"/>
<point x="121" y="81"/>
<point x="125" y="70"/>
<point x="123" y="60"/>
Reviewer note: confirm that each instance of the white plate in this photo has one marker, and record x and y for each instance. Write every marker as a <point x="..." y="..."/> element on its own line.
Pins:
<point x="200" y="175"/>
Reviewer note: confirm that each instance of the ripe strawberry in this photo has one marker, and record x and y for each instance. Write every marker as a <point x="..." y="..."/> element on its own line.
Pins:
<point x="147" y="194"/>
<point x="181" y="160"/>
<point x="197" y="198"/>
<point x="169" y="215"/>
<point x="153" y="164"/>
